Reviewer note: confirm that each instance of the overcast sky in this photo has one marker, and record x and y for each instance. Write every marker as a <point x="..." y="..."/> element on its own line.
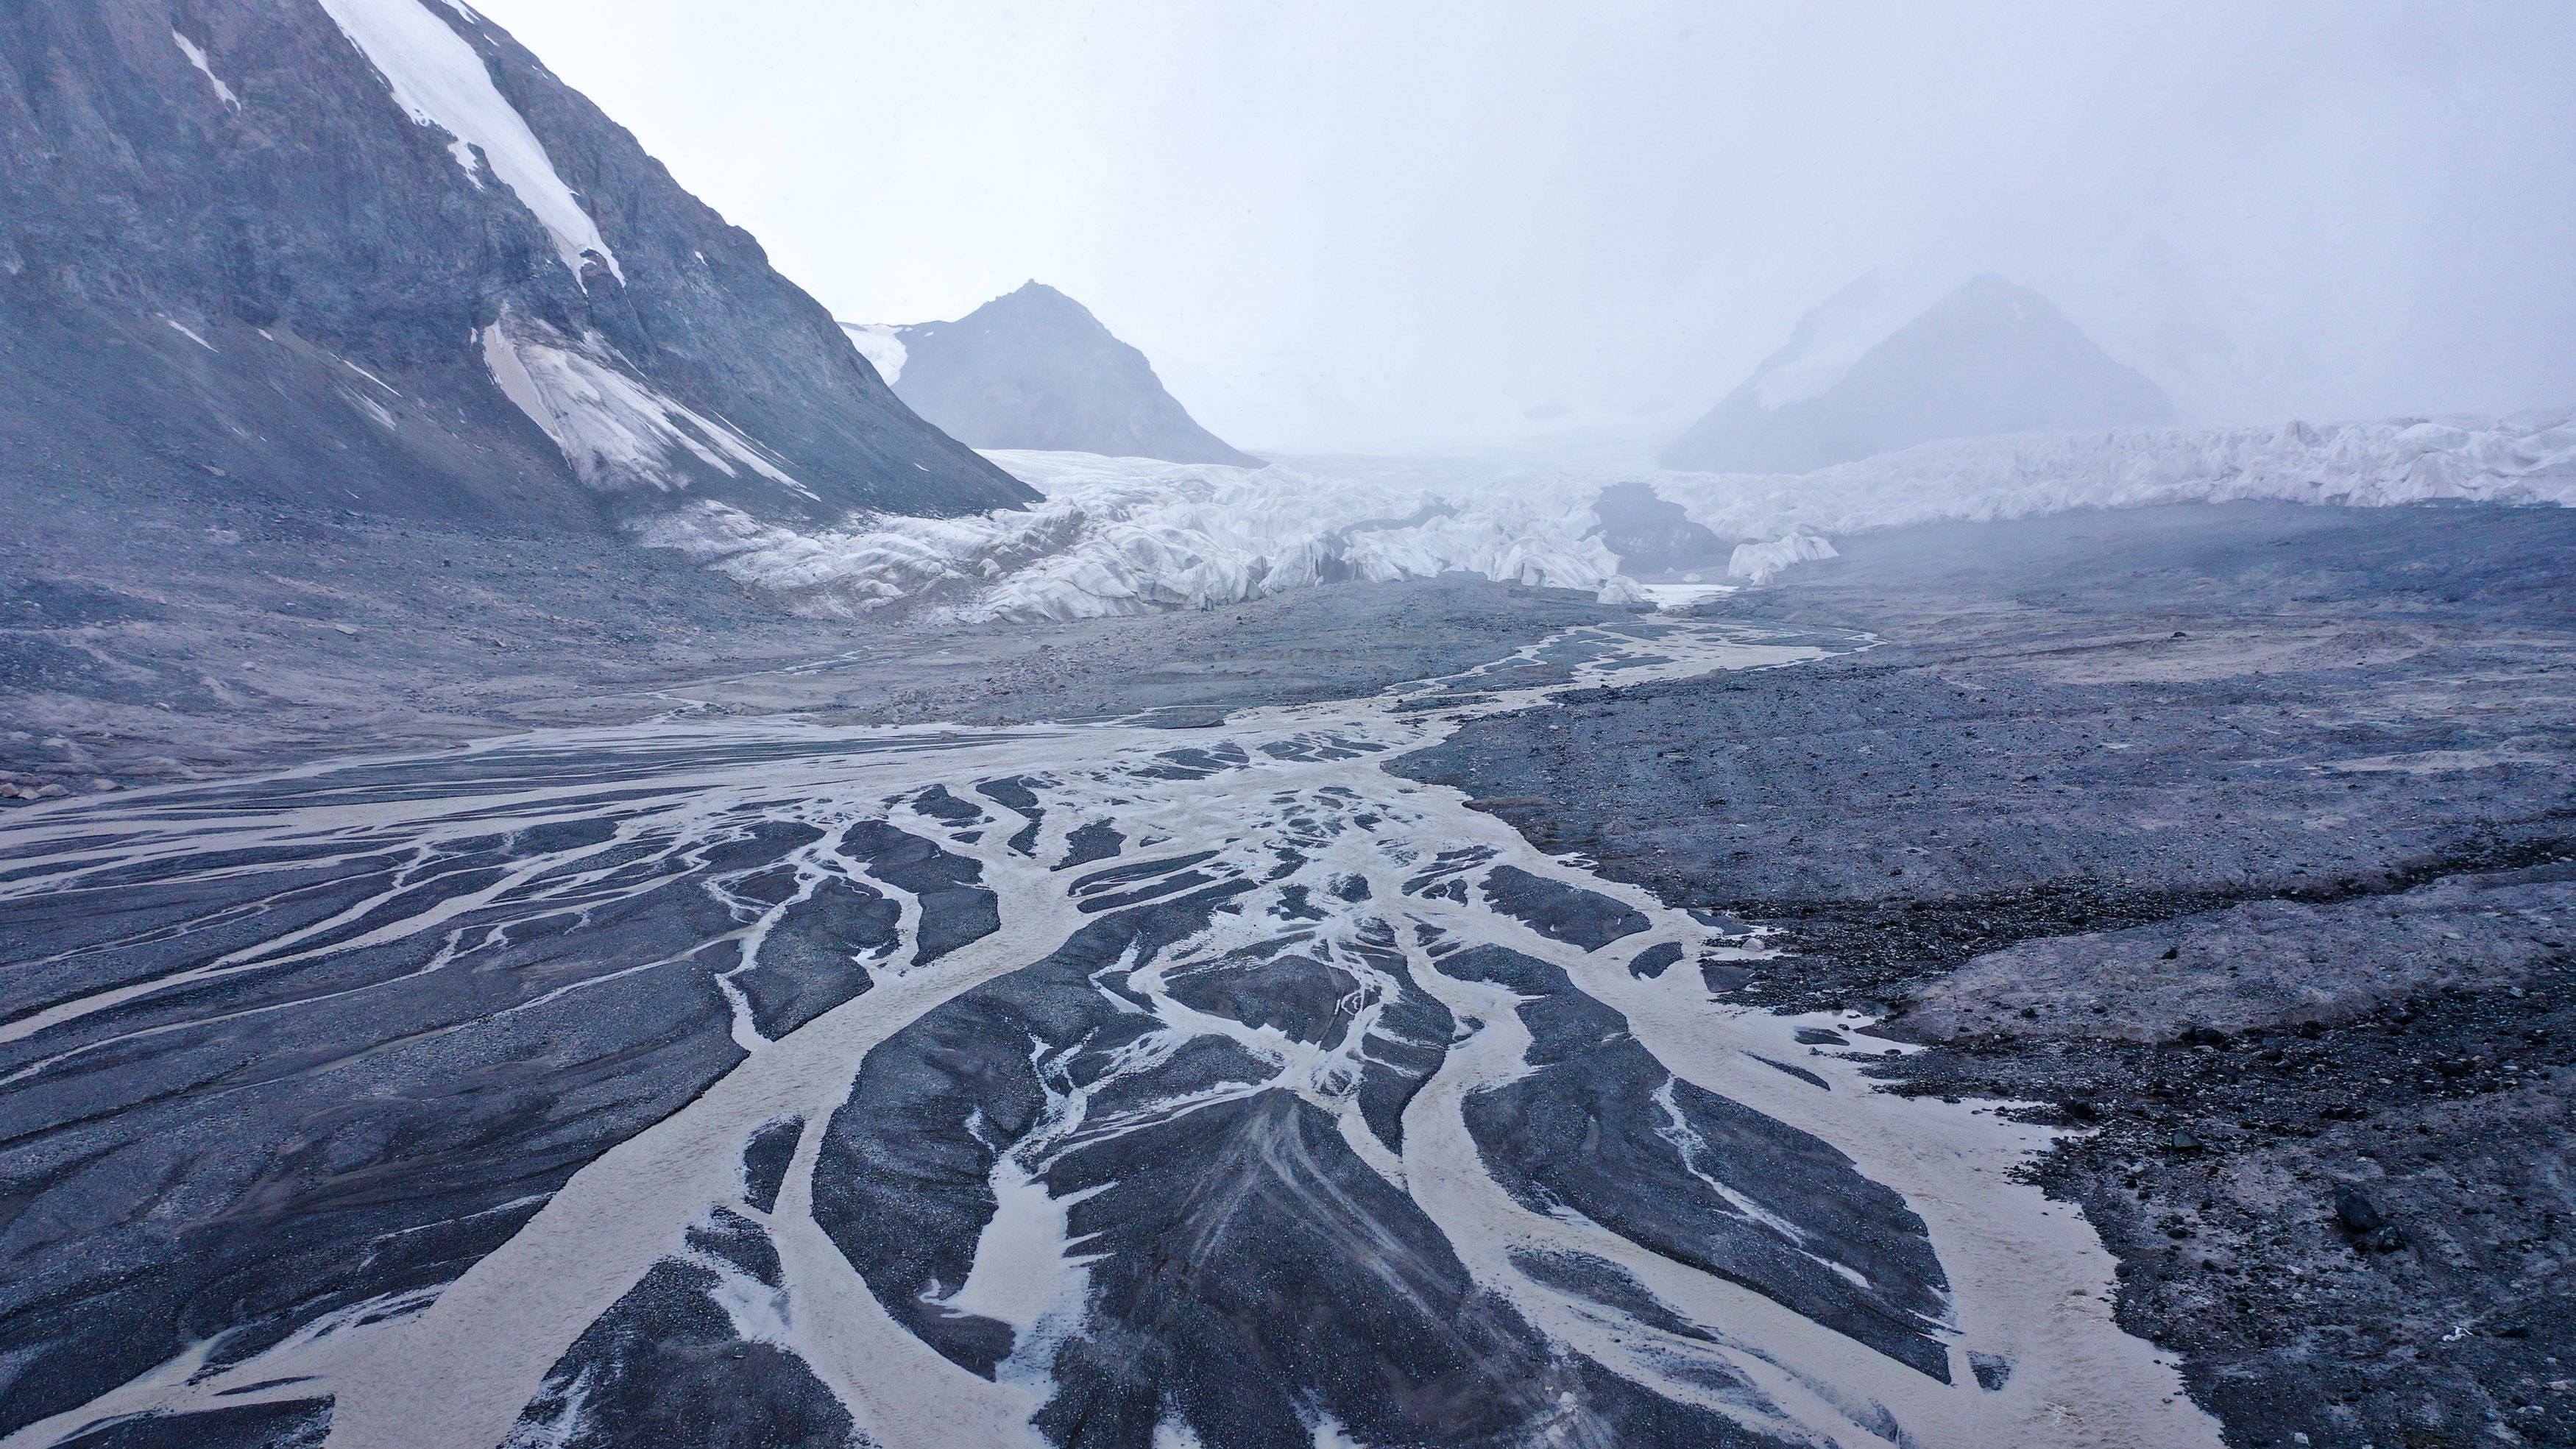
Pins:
<point x="1385" y="224"/>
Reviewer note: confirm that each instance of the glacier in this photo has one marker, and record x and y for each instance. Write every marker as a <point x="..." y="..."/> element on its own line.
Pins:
<point x="1134" y="535"/>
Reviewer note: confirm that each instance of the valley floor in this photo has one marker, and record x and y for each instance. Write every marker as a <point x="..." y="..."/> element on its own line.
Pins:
<point x="2239" y="839"/>
<point x="2233" y="840"/>
<point x="142" y="647"/>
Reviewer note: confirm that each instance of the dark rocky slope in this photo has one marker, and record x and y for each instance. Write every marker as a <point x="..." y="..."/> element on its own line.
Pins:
<point x="2245" y="835"/>
<point x="237" y="263"/>
<point x="1036" y="370"/>
<point x="1989" y="358"/>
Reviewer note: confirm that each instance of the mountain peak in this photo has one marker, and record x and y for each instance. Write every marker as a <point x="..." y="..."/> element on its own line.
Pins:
<point x="228" y="204"/>
<point x="1035" y="369"/>
<point x="1990" y="357"/>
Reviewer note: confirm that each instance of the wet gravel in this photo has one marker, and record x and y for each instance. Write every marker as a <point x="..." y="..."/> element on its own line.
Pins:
<point x="2235" y="841"/>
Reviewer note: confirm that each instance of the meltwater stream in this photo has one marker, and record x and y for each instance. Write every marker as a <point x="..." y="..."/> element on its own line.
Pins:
<point x="1094" y="1085"/>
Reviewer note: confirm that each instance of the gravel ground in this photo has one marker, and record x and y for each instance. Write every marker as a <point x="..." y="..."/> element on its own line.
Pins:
<point x="2233" y="839"/>
<point x="2237" y="841"/>
<point x="212" y="638"/>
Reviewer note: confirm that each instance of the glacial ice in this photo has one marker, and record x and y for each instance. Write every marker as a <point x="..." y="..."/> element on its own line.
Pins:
<point x="2523" y="458"/>
<point x="1759" y="561"/>
<point x="439" y="81"/>
<point x="1133" y="535"/>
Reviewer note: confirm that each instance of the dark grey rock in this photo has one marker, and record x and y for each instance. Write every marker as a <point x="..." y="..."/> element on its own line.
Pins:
<point x="1588" y="1129"/>
<point x="2116" y="755"/>
<point x="1561" y="912"/>
<point x="2355" y="1211"/>
<point x="956" y="908"/>
<point x="1653" y="536"/>
<point x="765" y="1159"/>
<point x="312" y="230"/>
<point x="1653" y="961"/>
<point x="210" y="1162"/>
<point x="667" y="1366"/>
<point x="296" y="1424"/>
<point x="1222" y="1290"/>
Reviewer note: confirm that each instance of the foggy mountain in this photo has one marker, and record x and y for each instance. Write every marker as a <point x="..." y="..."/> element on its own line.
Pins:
<point x="576" y="872"/>
<point x="371" y="254"/>
<point x="1035" y="369"/>
<point x="1990" y="358"/>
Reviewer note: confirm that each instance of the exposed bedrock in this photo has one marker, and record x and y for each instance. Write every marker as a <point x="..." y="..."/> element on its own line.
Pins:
<point x="1989" y="358"/>
<point x="295" y="1424"/>
<point x="373" y="254"/>
<point x="1035" y="369"/>
<point x="1652" y="535"/>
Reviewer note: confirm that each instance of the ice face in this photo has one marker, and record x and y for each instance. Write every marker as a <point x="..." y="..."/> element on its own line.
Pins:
<point x="1133" y="535"/>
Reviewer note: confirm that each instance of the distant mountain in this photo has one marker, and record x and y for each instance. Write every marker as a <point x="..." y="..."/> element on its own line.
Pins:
<point x="372" y="255"/>
<point x="1036" y="370"/>
<point x="1989" y="358"/>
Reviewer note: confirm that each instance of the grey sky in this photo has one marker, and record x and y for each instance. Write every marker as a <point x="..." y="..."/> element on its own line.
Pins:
<point x="1409" y="223"/>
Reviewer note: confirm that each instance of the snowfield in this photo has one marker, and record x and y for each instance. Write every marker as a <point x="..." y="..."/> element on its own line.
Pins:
<point x="440" y="81"/>
<point x="1132" y="535"/>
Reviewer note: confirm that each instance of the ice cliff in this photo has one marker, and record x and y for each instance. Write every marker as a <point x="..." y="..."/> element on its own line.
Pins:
<point x="1125" y="536"/>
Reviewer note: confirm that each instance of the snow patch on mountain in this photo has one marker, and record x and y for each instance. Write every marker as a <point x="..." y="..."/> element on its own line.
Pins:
<point x="440" y="81"/>
<point x="197" y="57"/>
<point x="1836" y="334"/>
<point x="616" y="431"/>
<point x="1132" y="535"/>
<point x="881" y="345"/>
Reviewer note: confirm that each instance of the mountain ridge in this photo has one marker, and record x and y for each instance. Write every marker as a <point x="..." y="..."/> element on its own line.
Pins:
<point x="1989" y="358"/>
<point x="1034" y="369"/>
<point x="250" y="248"/>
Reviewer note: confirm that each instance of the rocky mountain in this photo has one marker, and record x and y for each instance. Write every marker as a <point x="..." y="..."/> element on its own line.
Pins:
<point x="1989" y="358"/>
<point x="1036" y="370"/>
<point x="371" y="255"/>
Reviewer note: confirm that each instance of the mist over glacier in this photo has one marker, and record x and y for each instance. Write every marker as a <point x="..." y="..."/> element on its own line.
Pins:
<point x="609" y="839"/>
<point x="1345" y="226"/>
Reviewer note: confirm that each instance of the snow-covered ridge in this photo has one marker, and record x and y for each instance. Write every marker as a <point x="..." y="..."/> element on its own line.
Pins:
<point x="1835" y="334"/>
<point x="1132" y="535"/>
<point x="439" y="81"/>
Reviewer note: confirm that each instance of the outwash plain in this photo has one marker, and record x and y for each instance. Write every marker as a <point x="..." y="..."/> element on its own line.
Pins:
<point x="2236" y="842"/>
<point x="2228" y="844"/>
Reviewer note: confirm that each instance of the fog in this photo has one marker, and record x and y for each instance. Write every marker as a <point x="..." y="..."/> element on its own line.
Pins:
<point x="1434" y="224"/>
